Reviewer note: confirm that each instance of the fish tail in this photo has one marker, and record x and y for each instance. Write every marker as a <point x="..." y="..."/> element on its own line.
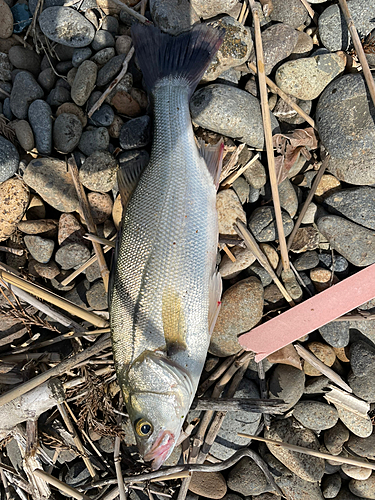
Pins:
<point x="184" y="57"/>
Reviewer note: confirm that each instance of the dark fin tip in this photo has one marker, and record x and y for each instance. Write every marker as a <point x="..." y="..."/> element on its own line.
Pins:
<point x="184" y="57"/>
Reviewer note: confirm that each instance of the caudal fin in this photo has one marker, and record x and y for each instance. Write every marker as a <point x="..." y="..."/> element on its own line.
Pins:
<point x="184" y="57"/>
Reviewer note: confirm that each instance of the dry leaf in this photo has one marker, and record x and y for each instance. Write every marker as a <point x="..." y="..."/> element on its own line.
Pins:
<point x="287" y="356"/>
<point x="290" y="146"/>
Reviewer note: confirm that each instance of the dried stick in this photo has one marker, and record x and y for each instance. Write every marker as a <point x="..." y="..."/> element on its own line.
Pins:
<point x="310" y="196"/>
<point x="252" y="245"/>
<point x="275" y="406"/>
<point x="244" y="12"/>
<point x="268" y="136"/>
<point x="132" y="12"/>
<point x="233" y="176"/>
<point x="215" y="375"/>
<point x="52" y="298"/>
<point x="61" y="368"/>
<point x="84" y="266"/>
<point x="224" y="247"/>
<point x="15" y="251"/>
<point x="359" y="49"/>
<point x="85" y="207"/>
<point x="311" y="11"/>
<point x="118" y="78"/>
<point x="319" y="365"/>
<point x="313" y="453"/>
<point x="231" y="163"/>
<point x="99" y="239"/>
<point x="263" y="392"/>
<point x="284" y="97"/>
<point x="68" y="490"/>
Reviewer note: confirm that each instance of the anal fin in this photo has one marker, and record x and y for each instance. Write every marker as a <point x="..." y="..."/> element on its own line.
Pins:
<point x="216" y="287"/>
<point x="213" y="156"/>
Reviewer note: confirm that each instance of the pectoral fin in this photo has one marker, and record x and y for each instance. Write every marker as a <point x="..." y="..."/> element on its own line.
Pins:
<point x="127" y="178"/>
<point x="213" y="156"/>
<point x="173" y="322"/>
<point x="216" y="287"/>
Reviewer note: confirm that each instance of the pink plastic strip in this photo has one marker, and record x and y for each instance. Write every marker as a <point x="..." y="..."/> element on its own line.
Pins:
<point x="311" y="314"/>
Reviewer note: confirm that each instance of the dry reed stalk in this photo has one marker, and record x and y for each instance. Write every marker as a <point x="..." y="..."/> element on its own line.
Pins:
<point x="233" y="176"/>
<point x="227" y="251"/>
<point x="311" y="11"/>
<point x="86" y="211"/>
<point x="310" y="196"/>
<point x="52" y="298"/>
<point x="313" y="453"/>
<point x="284" y="97"/>
<point x="268" y="136"/>
<point x="114" y="82"/>
<point x="68" y="490"/>
<point x="132" y="12"/>
<point x="359" y="49"/>
<point x="252" y="245"/>
<point x="99" y="239"/>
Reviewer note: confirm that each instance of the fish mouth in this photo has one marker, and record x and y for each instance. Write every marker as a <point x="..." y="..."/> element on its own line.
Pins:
<point x="160" y="450"/>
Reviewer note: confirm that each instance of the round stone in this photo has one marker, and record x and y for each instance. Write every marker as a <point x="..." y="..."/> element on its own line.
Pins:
<point x="335" y="437"/>
<point x="14" y="198"/>
<point x="40" y="119"/>
<point x="70" y="230"/>
<point x="71" y="255"/>
<point x="24" y="59"/>
<point x="315" y="415"/>
<point x="248" y="479"/>
<point x="244" y="258"/>
<point x="38" y="226"/>
<point x="24" y="91"/>
<point x="9" y="159"/>
<point x="67" y="131"/>
<point x="24" y="135"/>
<point x="97" y="296"/>
<point x="355" y="204"/>
<point x="66" y="26"/>
<point x="135" y="133"/>
<point x="229" y="209"/>
<point x="363" y="488"/>
<point x="6" y="20"/>
<point x="98" y="173"/>
<point x="84" y="82"/>
<point x="209" y="484"/>
<point x="101" y="205"/>
<point x="48" y="271"/>
<point x="287" y="383"/>
<point x="278" y="41"/>
<point x="41" y="249"/>
<point x="262" y="224"/>
<point x="241" y="309"/>
<point x="73" y="109"/>
<point x="94" y="140"/>
<point x="324" y="353"/>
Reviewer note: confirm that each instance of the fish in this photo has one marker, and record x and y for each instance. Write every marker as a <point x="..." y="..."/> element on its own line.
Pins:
<point x="164" y="287"/>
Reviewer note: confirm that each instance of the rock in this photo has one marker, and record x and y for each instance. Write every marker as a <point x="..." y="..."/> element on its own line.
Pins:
<point x="362" y="447"/>
<point x="41" y="249"/>
<point x="14" y="198"/>
<point x="67" y="132"/>
<point x="235" y="49"/>
<point x="24" y="135"/>
<point x="339" y="122"/>
<point x="363" y="489"/>
<point x="359" y="426"/>
<point x="97" y="296"/>
<point x="287" y="383"/>
<point x="291" y="285"/>
<point x="352" y="241"/>
<point x="50" y="179"/>
<point x="248" y="479"/>
<point x="306" y="238"/>
<point x="262" y="224"/>
<point x="93" y="273"/>
<point x="309" y="217"/>
<point x="93" y="141"/>
<point x="6" y="20"/>
<point x="24" y="91"/>
<point x="308" y="260"/>
<point x="288" y="197"/>
<point x="278" y="41"/>
<point x="135" y="133"/>
<point x="66" y="26"/>
<point x="9" y="157"/>
<point x="41" y="226"/>
<point x="362" y="362"/>
<point x="242" y="189"/>
<point x="272" y="296"/>
<point x="315" y="415"/>
<point x="241" y="309"/>
<point x="244" y="258"/>
<point x="335" y="438"/>
<point x="328" y="184"/>
<point x="84" y="82"/>
<point x="322" y="278"/>
<point x="331" y="485"/>
<point x="125" y="104"/>
<point x="307" y="77"/>
<point x="257" y="270"/>
<point x="108" y="72"/>
<point x="48" y="271"/>
<point x="303" y="47"/>
<point x="271" y="254"/>
<point x="355" y="204"/>
<point x="81" y="55"/>
<point x="59" y="95"/>
<point x="209" y="484"/>
<point x="230" y="111"/>
<point x="336" y="333"/>
<point x="323" y="352"/>
<point x="173" y="16"/>
<point x="211" y="8"/>
<point x="98" y="173"/>
<point x="101" y="205"/>
<point x="292" y="486"/>
<point x="70" y="230"/>
<point x="102" y="40"/>
<point x="24" y="59"/>
<point x="103" y="56"/>
<point x="309" y="468"/>
<point x="104" y="116"/>
<point x="256" y="175"/>
<point x="290" y="12"/>
<point x="36" y="208"/>
<point x="360" y="473"/>
<point x="227" y="440"/>
<point x="333" y="30"/>
<point x="123" y="44"/>
<point x="73" y="109"/>
<point x="285" y="113"/>
<point x="340" y="264"/>
<point x="40" y="119"/>
<point x="316" y="385"/>
<point x="229" y="209"/>
<point x="71" y="255"/>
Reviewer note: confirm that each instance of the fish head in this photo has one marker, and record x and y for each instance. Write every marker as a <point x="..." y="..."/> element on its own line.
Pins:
<point x="158" y="399"/>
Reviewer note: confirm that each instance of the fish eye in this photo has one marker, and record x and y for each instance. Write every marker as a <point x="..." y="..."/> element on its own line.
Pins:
<point x="143" y="428"/>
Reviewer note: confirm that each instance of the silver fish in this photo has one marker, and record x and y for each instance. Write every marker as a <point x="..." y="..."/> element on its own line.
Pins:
<point x="165" y="291"/>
